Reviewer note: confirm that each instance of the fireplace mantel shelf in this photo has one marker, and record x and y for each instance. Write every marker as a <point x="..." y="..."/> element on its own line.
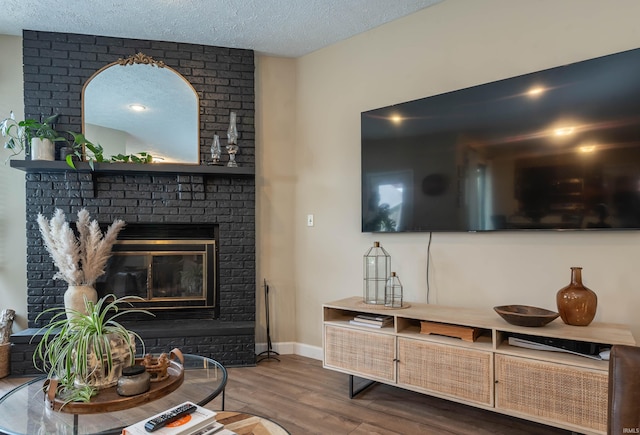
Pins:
<point x="131" y="168"/>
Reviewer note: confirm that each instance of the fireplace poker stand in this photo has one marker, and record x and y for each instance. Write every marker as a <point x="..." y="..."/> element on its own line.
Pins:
<point x="268" y="354"/>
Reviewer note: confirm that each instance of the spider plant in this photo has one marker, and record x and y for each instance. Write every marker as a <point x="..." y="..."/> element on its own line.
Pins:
<point x="68" y="342"/>
<point x="75" y="393"/>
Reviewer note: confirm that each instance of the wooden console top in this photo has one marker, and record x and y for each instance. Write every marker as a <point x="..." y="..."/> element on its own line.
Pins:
<point x="597" y="332"/>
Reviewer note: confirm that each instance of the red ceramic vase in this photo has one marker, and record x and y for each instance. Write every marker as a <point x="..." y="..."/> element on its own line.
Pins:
<point x="576" y="303"/>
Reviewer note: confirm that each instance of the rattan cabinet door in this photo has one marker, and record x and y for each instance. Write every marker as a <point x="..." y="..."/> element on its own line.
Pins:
<point x="552" y="392"/>
<point x="367" y="354"/>
<point x="453" y="371"/>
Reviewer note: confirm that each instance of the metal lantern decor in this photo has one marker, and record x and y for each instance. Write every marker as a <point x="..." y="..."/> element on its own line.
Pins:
<point x="377" y="268"/>
<point x="393" y="292"/>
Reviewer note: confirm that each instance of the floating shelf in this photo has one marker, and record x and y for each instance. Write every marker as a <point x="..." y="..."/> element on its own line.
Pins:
<point x="132" y="168"/>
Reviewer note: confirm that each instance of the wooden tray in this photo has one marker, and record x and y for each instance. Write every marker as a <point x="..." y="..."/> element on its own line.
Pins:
<point x="108" y="400"/>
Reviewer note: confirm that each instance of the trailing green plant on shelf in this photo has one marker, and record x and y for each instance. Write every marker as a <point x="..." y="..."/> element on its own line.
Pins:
<point x="142" y="157"/>
<point x="95" y="153"/>
<point x="18" y="134"/>
<point x="86" y="352"/>
<point x="79" y="148"/>
<point x="44" y="129"/>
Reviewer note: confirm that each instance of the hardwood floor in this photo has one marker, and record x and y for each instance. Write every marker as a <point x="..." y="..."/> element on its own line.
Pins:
<point x="307" y="399"/>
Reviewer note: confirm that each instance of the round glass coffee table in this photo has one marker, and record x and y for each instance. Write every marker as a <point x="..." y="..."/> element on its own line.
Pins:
<point x="24" y="410"/>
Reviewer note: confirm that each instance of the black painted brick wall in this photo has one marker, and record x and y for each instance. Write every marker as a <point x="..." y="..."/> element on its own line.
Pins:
<point x="225" y="201"/>
<point x="56" y="65"/>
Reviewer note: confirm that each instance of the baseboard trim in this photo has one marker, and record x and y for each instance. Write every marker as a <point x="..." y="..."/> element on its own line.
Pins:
<point x="292" y="348"/>
<point x="302" y="349"/>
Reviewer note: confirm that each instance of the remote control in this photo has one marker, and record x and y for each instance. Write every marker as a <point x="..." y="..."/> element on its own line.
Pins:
<point x="166" y="418"/>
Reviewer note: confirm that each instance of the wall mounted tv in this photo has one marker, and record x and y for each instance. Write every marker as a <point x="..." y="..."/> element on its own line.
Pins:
<point x="555" y="149"/>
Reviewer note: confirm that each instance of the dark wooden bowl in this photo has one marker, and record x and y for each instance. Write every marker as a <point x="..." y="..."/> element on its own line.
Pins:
<point x="523" y="315"/>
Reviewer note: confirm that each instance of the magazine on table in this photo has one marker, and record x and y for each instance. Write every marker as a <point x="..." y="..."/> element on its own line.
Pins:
<point x="201" y="421"/>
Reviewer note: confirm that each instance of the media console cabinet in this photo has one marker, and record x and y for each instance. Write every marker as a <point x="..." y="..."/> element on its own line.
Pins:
<point x="554" y="388"/>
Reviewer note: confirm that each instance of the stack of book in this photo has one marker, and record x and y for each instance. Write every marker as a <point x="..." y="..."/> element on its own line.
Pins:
<point x="199" y="421"/>
<point x="372" y="320"/>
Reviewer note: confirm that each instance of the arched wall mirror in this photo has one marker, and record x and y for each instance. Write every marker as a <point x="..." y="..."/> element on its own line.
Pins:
<point x="140" y="105"/>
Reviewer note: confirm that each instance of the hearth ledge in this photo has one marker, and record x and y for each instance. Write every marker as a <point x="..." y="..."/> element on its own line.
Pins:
<point x="162" y="329"/>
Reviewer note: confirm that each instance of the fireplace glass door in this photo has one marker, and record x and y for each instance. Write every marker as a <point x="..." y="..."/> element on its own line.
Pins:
<point x="165" y="273"/>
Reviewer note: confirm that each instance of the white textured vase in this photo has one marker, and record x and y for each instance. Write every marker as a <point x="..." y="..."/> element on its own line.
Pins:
<point x="42" y="149"/>
<point x="75" y="296"/>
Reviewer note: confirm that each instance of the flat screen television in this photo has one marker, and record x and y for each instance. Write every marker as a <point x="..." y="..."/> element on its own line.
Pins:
<point x="556" y="149"/>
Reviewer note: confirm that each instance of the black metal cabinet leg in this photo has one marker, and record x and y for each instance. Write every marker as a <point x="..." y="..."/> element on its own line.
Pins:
<point x="352" y="392"/>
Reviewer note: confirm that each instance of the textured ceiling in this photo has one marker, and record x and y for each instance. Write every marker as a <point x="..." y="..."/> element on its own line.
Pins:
<point x="289" y="28"/>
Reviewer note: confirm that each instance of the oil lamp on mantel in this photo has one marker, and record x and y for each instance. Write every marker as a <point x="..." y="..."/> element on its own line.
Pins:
<point x="232" y="139"/>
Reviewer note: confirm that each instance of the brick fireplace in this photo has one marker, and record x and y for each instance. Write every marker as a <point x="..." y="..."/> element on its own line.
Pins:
<point x="55" y="67"/>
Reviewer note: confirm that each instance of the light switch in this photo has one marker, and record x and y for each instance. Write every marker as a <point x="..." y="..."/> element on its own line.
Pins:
<point x="309" y="220"/>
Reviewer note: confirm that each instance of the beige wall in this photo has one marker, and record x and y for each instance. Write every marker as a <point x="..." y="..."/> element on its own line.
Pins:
<point x="275" y="194"/>
<point x="13" y="240"/>
<point x="455" y="44"/>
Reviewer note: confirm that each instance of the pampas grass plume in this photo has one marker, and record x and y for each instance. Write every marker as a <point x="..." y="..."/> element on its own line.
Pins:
<point x="80" y="260"/>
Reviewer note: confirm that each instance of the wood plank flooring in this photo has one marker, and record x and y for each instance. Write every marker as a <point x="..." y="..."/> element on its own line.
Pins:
<point x="307" y="399"/>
